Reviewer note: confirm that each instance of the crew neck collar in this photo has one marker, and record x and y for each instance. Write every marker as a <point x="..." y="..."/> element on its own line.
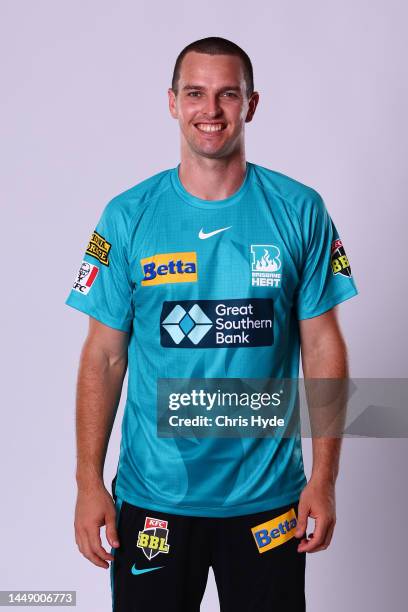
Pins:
<point x="211" y="204"/>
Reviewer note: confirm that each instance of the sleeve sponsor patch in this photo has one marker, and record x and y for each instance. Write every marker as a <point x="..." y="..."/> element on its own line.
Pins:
<point x="85" y="278"/>
<point x="99" y="248"/>
<point x="339" y="260"/>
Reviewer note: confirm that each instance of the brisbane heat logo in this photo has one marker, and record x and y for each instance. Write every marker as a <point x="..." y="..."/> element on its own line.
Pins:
<point x="153" y="538"/>
<point x="339" y="260"/>
<point x="265" y="265"/>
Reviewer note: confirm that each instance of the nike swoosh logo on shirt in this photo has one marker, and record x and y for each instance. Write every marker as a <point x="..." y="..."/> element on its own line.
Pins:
<point x="136" y="571"/>
<point x="203" y="235"/>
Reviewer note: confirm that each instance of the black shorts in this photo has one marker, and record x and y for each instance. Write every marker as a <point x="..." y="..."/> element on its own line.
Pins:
<point x="163" y="561"/>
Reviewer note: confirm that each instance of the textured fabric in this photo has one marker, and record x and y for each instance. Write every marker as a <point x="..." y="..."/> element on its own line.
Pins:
<point x="161" y="265"/>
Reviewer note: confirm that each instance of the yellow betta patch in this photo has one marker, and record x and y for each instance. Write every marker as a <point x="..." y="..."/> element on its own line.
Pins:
<point x="275" y="532"/>
<point x="99" y="248"/>
<point x="169" y="268"/>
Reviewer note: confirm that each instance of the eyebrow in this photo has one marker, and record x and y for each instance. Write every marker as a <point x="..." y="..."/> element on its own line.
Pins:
<point x="201" y="87"/>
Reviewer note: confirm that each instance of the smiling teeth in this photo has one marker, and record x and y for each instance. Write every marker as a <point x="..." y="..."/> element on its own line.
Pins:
<point x="206" y="127"/>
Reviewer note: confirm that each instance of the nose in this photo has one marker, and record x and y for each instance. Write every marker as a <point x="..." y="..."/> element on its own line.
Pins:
<point x="212" y="106"/>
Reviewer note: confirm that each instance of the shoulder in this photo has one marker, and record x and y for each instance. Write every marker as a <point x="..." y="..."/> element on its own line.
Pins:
<point x="294" y="195"/>
<point x="133" y="201"/>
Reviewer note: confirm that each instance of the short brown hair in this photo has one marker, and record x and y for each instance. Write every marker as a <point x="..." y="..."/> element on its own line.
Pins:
<point x="214" y="45"/>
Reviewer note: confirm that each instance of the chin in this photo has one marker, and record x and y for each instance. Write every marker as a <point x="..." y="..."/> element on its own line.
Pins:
<point x="214" y="154"/>
<point x="209" y="151"/>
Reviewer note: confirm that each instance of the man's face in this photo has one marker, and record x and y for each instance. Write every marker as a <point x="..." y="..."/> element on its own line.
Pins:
<point x="211" y="104"/>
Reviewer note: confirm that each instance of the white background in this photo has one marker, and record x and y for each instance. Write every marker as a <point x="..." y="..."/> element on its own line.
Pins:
<point x="84" y="116"/>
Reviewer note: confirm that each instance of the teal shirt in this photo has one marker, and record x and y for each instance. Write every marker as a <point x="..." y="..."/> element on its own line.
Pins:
<point x="157" y="267"/>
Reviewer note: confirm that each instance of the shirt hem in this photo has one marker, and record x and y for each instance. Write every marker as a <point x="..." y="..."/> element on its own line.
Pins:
<point x="215" y="511"/>
<point x="105" y="319"/>
<point x="327" y="305"/>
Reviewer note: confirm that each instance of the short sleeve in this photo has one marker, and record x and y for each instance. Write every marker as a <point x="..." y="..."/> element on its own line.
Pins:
<point x="326" y="279"/>
<point x="102" y="287"/>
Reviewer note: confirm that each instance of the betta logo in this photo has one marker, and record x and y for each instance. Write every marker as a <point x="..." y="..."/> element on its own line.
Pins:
<point x="169" y="268"/>
<point x="275" y="532"/>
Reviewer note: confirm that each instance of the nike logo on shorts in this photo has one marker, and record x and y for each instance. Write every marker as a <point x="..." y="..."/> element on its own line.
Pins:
<point x="136" y="571"/>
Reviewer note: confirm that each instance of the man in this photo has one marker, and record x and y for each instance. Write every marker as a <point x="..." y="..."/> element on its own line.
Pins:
<point x="214" y="244"/>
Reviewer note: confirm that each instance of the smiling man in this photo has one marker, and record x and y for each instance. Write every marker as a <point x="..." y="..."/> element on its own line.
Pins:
<point x="215" y="269"/>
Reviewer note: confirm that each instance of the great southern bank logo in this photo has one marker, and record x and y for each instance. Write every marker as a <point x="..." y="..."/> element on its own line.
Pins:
<point x="217" y="323"/>
<point x="193" y="324"/>
<point x="265" y="265"/>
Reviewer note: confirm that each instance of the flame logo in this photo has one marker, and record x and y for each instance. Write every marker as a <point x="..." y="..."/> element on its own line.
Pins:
<point x="268" y="264"/>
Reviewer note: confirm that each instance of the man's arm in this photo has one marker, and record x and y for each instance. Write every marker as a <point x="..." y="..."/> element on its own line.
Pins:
<point x="324" y="355"/>
<point x="102" y="369"/>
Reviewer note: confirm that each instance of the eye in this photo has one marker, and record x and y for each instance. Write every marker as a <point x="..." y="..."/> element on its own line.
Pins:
<point x="194" y="94"/>
<point x="230" y="94"/>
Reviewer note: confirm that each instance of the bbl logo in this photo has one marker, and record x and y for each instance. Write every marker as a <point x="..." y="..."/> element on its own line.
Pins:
<point x="153" y="539"/>
<point x="265" y="263"/>
<point x="339" y="261"/>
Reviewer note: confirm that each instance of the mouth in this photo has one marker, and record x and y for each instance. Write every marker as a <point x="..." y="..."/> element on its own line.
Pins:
<point x="210" y="128"/>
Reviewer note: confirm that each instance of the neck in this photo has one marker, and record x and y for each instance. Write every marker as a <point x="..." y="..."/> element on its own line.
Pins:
<point x="212" y="179"/>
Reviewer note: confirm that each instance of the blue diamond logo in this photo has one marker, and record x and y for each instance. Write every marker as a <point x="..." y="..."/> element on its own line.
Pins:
<point x="193" y="324"/>
<point x="186" y="324"/>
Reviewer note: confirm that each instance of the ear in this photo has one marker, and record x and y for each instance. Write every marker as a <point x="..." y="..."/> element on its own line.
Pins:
<point x="253" y="103"/>
<point x="172" y="103"/>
